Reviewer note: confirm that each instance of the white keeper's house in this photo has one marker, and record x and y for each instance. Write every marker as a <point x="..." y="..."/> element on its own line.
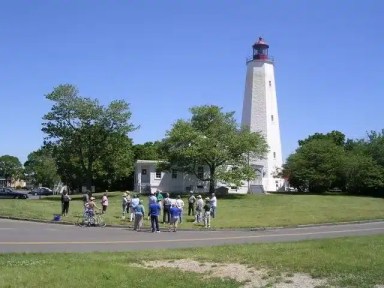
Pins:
<point x="260" y="114"/>
<point x="149" y="179"/>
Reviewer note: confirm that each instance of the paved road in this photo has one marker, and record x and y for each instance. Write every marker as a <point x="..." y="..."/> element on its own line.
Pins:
<point x="22" y="236"/>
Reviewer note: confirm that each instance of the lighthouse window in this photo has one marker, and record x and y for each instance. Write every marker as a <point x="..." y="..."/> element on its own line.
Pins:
<point x="270" y="83"/>
<point x="271" y="117"/>
<point x="274" y="155"/>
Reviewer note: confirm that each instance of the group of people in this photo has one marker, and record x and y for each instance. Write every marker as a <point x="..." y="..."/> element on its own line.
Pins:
<point x="172" y="209"/>
<point x="133" y="208"/>
<point x="202" y="210"/>
<point x="90" y="204"/>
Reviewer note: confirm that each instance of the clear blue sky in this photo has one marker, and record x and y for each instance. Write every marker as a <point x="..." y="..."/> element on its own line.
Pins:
<point x="164" y="57"/>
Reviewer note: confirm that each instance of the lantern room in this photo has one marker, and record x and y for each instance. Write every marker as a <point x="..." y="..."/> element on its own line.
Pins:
<point x="260" y="50"/>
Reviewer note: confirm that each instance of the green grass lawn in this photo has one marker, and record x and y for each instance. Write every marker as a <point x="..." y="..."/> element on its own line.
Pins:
<point x="240" y="211"/>
<point x="345" y="262"/>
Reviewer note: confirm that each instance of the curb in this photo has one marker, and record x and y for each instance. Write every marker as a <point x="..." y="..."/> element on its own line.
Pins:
<point x="209" y="229"/>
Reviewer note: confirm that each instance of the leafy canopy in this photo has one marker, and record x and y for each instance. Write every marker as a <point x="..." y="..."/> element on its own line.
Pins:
<point x="86" y="135"/>
<point x="10" y="167"/>
<point x="212" y="138"/>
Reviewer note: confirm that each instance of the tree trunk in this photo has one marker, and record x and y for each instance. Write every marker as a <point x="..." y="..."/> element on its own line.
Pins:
<point x="212" y="179"/>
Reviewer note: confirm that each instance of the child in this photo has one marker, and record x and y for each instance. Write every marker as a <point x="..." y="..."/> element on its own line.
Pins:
<point x="104" y="202"/>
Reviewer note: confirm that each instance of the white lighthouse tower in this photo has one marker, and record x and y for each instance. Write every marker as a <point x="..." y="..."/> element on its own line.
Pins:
<point x="260" y="114"/>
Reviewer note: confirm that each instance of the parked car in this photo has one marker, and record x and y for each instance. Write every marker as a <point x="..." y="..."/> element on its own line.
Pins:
<point x="11" y="194"/>
<point x="41" y="191"/>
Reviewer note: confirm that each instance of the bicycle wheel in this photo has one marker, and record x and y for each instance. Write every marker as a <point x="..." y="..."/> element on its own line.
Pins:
<point x="100" y="221"/>
<point x="80" y="221"/>
<point x="92" y="221"/>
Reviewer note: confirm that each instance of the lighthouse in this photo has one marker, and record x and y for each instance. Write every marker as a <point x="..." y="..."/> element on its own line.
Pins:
<point x="260" y="114"/>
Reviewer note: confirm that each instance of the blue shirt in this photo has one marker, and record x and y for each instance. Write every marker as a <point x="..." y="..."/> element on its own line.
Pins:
<point x="175" y="212"/>
<point x="154" y="209"/>
<point x="139" y="210"/>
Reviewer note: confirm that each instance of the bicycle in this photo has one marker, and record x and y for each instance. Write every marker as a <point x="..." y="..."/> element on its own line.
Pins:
<point x="89" y="220"/>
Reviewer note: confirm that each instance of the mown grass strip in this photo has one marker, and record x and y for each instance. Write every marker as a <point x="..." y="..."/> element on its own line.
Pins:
<point x="345" y="262"/>
<point x="234" y="211"/>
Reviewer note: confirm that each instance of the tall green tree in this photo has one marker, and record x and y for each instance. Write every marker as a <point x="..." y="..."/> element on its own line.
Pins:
<point x="148" y="151"/>
<point x="40" y="168"/>
<point x="212" y="138"/>
<point x="316" y="166"/>
<point x="117" y="162"/>
<point x="335" y="136"/>
<point x="81" y="131"/>
<point x="375" y="146"/>
<point x="363" y="174"/>
<point x="10" y="168"/>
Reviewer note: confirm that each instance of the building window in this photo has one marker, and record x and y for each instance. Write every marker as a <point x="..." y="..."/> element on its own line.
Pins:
<point x="200" y="186"/>
<point x="270" y="83"/>
<point x="200" y="172"/>
<point x="174" y="173"/>
<point x="144" y="171"/>
<point x="272" y="117"/>
<point x="158" y="174"/>
<point x="274" y="155"/>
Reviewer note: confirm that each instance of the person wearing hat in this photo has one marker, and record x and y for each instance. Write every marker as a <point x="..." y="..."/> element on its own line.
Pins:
<point x="191" y="204"/>
<point x="91" y="206"/>
<point x="139" y="214"/>
<point x="199" y="209"/>
<point x="207" y="213"/>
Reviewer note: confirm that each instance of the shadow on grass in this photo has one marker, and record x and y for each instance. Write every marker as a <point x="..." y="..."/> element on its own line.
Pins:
<point x="378" y="194"/>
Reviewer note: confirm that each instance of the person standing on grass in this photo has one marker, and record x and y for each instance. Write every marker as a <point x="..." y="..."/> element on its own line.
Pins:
<point x="159" y="199"/>
<point x="166" y="207"/>
<point x="154" y="211"/>
<point x="207" y="213"/>
<point x="86" y="197"/>
<point x="199" y="209"/>
<point x="139" y="214"/>
<point x="180" y="204"/>
<point x="65" y="203"/>
<point x="175" y="215"/>
<point x="134" y="202"/>
<point x="152" y="198"/>
<point x="125" y="204"/>
<point x="104" y="202"/>
<point x="213" y="201"/>
<point x="191" y="204"/>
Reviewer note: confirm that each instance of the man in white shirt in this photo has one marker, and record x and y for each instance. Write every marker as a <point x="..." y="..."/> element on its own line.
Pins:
<point x="199" y="209"/>
<point x="213" y="205"/>
<point x="134" y="202"/>
<point x="180" y="204"/>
